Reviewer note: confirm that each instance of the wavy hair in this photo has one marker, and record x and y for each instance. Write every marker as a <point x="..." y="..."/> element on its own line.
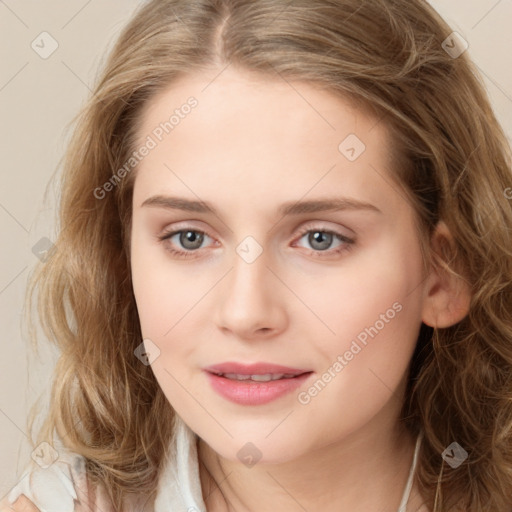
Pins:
<point x="450" y="154"/>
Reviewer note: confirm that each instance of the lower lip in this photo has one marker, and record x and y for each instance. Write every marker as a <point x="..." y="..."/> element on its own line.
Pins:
<point x="250" y="392"/>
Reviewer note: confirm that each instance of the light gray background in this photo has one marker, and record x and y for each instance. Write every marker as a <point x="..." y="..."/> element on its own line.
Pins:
<point x="38" y="99"/>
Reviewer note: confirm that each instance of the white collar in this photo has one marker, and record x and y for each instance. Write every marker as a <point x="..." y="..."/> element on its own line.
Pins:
<point x="179" y="485"/>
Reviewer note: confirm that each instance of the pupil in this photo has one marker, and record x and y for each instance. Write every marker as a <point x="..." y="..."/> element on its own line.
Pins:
<point x="324" y="239"/>
<point x="192" y="238"/>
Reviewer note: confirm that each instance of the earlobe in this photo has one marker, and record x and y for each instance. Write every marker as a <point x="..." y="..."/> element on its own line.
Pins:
<point x="447" y="296"/>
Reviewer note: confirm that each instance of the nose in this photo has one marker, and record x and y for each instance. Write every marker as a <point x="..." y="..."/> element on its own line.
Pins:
<point x="249" y="304"/>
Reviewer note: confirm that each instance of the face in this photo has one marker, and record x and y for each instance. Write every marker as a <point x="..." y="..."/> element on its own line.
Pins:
<point x="267" y="229"/>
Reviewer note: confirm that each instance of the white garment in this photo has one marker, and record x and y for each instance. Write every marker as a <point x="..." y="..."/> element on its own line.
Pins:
<point x="54" y="489"/>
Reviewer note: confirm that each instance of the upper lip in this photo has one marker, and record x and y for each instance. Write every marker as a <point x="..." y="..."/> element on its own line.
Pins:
<point x="253" y="369"/>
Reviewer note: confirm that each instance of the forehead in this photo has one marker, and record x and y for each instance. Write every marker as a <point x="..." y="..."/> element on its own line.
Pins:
<point x="248" y="129"/>
<point x="238" y="95"/>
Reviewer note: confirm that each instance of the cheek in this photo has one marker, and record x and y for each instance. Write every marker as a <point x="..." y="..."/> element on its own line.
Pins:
<point x="172" y="306"/>
<point x="162" y="291"/>
<point x="375" y="316"/>
<point x="166" y="299"/>
<point x="371" y="308"/>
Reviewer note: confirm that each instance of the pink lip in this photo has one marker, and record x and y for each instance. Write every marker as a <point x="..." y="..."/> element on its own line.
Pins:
<point x="251" y="392"/>
<point x="253" y="369"/>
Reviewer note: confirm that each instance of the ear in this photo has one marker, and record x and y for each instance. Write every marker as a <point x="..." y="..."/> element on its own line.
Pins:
<point x="447" y="297"/>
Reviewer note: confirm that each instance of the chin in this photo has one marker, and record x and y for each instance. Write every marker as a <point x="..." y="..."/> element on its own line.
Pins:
<point x="251" y="449"/>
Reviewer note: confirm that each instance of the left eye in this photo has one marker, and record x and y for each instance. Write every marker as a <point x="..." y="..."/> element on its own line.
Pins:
<point x="321" y="240"/>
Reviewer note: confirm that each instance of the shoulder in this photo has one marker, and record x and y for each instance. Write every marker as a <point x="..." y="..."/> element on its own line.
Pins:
<point x="22" y="504"/>
<point x="60" y="485"/>
<point x="64" y="486"/>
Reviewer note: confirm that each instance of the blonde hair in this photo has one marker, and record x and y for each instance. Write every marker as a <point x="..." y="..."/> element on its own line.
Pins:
<point x="450" y="154"/>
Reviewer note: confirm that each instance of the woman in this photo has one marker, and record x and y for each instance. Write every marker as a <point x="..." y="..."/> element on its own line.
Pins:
<point x="284" y="269"/>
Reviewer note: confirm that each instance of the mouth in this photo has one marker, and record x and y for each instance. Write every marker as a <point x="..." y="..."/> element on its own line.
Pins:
<point x="244" y="369"/>
<point x="254" y="384"/>
<point x="266" y="377"/>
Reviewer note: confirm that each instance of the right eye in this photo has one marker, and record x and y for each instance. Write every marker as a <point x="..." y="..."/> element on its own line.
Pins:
<point x="190" y="239"/>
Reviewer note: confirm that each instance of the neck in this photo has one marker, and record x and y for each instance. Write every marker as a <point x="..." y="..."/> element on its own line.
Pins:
<point x="366" y="470"/>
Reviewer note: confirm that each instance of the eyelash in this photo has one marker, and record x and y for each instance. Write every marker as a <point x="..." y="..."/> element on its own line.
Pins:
<point x="346" y="246"/>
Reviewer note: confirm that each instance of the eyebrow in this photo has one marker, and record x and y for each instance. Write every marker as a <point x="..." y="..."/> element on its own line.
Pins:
<point x="288" y="208"/>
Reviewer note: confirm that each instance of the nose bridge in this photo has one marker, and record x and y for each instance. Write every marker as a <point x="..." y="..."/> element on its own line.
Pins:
<point x="249" y="277"/>
<point x="248" y="299"/>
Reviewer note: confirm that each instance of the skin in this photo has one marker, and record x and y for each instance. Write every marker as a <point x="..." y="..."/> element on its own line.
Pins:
<point x="22" y="504"/>
<point x="249" y="146"/>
